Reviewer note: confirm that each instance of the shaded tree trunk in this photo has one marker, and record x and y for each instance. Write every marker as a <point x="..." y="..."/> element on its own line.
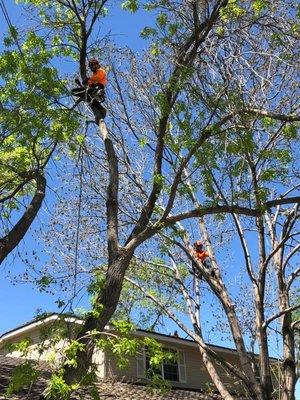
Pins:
<point x="16" y="234"/>
<point x="107" y="302"/>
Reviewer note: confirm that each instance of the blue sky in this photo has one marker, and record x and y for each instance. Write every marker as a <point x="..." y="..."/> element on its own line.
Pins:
<point x="20" y="302"/>
<point x="24" y="300"/>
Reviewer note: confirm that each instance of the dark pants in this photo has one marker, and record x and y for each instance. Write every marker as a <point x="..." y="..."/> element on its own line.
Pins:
<point x="90" y="95"/>
<point x="207" y="264"/>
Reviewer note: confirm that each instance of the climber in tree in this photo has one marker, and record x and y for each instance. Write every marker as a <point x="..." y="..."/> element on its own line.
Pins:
<point x="201" y="255"/>
<point x="92" y="90"/>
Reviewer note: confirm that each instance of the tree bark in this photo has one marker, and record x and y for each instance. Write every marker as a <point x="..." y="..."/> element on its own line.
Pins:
<point x="289" y="357"/>
<point x="16" y="234"/>
<point x="107" y="301"/>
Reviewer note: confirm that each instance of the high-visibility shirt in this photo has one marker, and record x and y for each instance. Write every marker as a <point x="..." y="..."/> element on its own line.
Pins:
<point x="201" y="255"/>
<point x="98" y="77"/>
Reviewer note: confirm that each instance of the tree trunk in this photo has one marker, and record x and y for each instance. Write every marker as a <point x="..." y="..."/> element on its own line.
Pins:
<point x="255" y="389"/>
<point x="264" y="362"/>
<point x="108" y="300"/>
<point x="214" y="375"/>
<point x="289" y="358"/>
<point x="16" y="234"/>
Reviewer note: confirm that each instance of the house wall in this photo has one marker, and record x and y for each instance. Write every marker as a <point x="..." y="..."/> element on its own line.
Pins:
<point x="196" y="374"/>
<point x="39" y="350"/>
<point x="45" y="350"/>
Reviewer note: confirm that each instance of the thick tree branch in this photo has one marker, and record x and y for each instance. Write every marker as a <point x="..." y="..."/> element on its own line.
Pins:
<point x="280" y="314"/>
<point x="16" y="234"/>
<point x="293" y="275"/>
<point x="112" y="199"/>
<point x="185" y="59"/>
<point x="276" y="116"/>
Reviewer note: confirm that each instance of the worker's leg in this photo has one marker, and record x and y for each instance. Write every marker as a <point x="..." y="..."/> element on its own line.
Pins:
<point x="96" y="93"/>
<point x="98" y="110"/>
<point x="80" y="92"/>
<point x="207" y="263"/>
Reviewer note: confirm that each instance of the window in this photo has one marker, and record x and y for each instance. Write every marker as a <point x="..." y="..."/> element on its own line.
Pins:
<point x="171" y="370"/>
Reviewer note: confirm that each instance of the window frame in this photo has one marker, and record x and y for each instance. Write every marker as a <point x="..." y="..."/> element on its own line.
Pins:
<point x="181" y="365"/>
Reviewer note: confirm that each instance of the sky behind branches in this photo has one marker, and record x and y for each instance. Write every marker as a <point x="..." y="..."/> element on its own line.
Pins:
<point x="19" y="302"/>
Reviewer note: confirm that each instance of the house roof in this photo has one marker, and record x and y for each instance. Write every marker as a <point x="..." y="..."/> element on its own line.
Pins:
<point x="108" y="390"/>
<point x="42" y="319"/>
<point x="52" y="317"/>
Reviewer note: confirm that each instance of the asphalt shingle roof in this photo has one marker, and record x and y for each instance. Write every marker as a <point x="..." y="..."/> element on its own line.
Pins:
<point x="108" y="390"/>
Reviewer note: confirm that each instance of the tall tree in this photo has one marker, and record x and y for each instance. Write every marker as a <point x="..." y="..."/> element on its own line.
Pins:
<point x="33" y="123"/>
<point x="214" y="101"/>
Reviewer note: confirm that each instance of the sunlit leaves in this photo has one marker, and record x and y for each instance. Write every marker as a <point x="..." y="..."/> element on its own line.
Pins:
<point x="130" y="5"/>
<point x="22" y="377"/>
<point x="148" y="32"/>
<point x="71" y="352"/>
<point x="231" y="11"/>
<point x="32" y="119"/>
<point x="258" y="6"/>
<point x="57" y="388"/>
<point x="21" y="346"/>
<point x="161" y="20"/>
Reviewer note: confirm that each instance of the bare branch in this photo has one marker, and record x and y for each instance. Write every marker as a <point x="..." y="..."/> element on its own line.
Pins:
<point x="280" y="314"/>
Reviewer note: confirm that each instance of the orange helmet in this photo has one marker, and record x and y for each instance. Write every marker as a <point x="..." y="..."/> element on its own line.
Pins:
<point x="94" y="62"/>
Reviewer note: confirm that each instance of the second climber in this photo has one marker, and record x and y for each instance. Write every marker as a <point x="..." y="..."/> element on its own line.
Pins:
<point x="201" y="254"/>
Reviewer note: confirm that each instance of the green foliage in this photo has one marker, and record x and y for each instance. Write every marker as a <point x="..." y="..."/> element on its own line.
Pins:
<point x="120" y="346"/>
<point x="44" y="282"/>
<point x="157" y="355"/>
<point x="96" y="283"/>
<point x="122" y="349"/>
<point x="57" y="388"/>
<point x="72" y="351"/>
<point x="31" y="119"/>
<point x="158" y="179"/>
<point x="154" y="50"/>
<point x="232" y="11"/>
<point x="22" y="346"/>
<point x="147" y="32"/>
<point x="123" y="327"/>
<point x="22" y="376"/>
<point x="162" y="102"/>
<point x="290" y="131"/>
<point x="94" y="393"/>
<point x="161" y="20"/>
<point x="258" y="6"/>
<point x="157" y="384"/>
<point x="143" y="142"/>
<point x="130" y="5"/>
<point x="93" y="289"/>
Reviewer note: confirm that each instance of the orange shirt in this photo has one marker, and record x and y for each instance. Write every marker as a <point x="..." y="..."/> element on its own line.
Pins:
<point x="201" y="255"/>
<point x="98" y="77"/>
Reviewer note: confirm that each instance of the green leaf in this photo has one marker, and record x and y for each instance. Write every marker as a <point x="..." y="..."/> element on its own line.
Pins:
<point x="154" y="50"/>
<point x="231" y="11"/>
<point x="22" y="376"/>
<point x="161" y="20"/>
<point x="21" y="346"/>
<point x="71" y="352"/>
<point x="57" y="388"/>
<point x="130" y="5"/>
<point x="147" y="32"/>
<point x="258" y="6"/>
